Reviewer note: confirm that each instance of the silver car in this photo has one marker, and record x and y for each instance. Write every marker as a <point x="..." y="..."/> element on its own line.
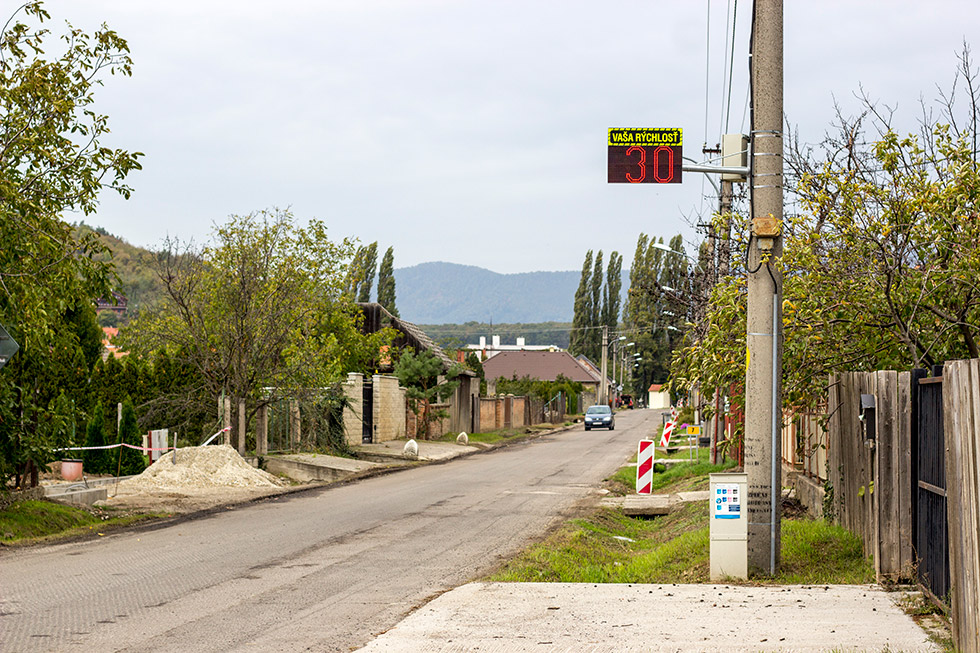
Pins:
<point x="599" y="416"/>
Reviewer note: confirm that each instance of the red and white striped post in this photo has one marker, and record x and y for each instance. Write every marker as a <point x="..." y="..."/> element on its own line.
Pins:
<point x="665" y="436"/>
<point x="644" y="467"/>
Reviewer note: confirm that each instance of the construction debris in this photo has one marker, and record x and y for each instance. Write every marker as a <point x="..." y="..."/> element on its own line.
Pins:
<point x="196" y="468"/>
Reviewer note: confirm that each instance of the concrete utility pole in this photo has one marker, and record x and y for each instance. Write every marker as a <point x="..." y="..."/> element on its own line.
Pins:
<point x="603" y="389"/>
<point x="763" y="399"/>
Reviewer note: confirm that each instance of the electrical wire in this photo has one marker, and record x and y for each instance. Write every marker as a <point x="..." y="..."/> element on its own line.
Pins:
<point x="731" y="66"/>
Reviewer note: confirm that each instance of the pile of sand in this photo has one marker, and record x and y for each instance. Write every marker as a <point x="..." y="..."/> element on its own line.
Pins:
<point x="198" y="468"/>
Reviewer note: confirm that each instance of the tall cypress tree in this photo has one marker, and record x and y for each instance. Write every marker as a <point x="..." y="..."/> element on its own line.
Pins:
<point x="130" y="460"/>
<point x="386" y="282"/>
<point x="96" y="461"/>
<point x="582" y="309"/>
<point x="369" y="264"/>
<point x="614" y="284"/>
<point x="355" y="271"/>
<point x="595" y="315"/>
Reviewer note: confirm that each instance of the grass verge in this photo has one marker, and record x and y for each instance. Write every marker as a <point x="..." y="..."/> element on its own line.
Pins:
<point x="27" y="522"/>
<point x="610" y="547"/>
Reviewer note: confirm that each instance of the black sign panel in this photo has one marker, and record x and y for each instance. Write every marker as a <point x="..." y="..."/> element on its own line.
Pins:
<point x="645" y="156"/>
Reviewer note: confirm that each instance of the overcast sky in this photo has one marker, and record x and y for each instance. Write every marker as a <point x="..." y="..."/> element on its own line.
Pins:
<point x="470" y="131"/>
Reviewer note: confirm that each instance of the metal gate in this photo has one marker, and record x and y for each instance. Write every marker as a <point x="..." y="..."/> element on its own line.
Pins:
<point x="367" y="413"/>
<point x="930" y="536"/>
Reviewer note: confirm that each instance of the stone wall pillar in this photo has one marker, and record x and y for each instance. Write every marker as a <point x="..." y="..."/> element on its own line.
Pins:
<point x="353" y="424"/>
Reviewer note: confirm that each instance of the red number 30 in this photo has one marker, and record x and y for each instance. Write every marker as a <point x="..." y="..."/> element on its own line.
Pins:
<point x="656" y="159"/>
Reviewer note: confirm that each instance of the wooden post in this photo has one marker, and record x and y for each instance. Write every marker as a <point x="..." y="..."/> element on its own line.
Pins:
<point x="226" y="437"/>
<point x="475" y="425"/>
<point x="241" y="427"/>
<point x="294" y="424"/>
<point x="262" y="431"/>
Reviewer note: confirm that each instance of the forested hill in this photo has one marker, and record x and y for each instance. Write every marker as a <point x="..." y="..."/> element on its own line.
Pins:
<point x="449" y="293"/>
<point x="428" y="293"/>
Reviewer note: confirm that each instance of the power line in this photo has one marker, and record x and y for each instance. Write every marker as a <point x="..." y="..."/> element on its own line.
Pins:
<point x="731" y="66"/>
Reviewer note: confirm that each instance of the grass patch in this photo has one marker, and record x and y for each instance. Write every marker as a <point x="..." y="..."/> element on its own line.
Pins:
<point x="811" y="547"/>
<point x="32" y="519"/>
<point x="29" y="521"/>
<point x="610" y="547"/>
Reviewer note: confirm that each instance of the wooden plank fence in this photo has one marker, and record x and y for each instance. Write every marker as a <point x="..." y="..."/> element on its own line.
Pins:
<point x="961" y="425"/>
<point x="872" y="476"/>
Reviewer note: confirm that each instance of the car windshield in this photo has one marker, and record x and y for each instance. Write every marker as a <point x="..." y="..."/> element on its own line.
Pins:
<point x="598" y="410"/>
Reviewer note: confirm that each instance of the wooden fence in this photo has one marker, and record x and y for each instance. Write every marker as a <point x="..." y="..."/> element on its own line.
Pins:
<point x="961" y="426"/>
<point x="870" y="466"/>
<point x="905" y="463"/>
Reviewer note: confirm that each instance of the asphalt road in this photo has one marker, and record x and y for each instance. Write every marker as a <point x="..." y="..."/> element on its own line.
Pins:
<point x="321" y="571"/>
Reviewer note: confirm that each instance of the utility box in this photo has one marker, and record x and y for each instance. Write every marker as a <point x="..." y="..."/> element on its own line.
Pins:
<point x="734" y="152"/>
<point x="729" y="526"/>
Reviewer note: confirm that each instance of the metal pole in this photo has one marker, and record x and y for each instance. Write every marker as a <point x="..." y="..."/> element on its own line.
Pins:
<point x="763" y="330"/>
<point x="775" y="486"/>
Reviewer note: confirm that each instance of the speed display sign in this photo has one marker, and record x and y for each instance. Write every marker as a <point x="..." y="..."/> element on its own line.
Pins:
<point x="645" y="155"/>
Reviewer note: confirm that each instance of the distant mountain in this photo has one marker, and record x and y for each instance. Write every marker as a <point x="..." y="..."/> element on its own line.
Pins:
<point x="449" y="293"/>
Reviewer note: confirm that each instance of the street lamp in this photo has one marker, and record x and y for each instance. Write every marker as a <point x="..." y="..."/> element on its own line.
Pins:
<point x="665" y="248"/>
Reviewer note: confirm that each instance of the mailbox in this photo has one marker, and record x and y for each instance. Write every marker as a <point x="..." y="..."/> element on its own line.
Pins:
<point x="867" y="418"/>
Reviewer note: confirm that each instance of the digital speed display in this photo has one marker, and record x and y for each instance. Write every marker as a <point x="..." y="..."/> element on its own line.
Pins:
<point x="645" y="156"/>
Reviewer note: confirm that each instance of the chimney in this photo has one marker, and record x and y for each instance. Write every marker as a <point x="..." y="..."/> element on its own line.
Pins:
<point x="496" y="342"/>
<point x="483" y="342"/>
<point x="520" y="343"/>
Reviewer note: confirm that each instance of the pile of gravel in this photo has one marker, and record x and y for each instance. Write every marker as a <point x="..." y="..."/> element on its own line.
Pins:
<point x="199" y="468"/>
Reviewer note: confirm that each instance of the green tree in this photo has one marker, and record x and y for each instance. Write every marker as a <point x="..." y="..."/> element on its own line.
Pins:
<point x="53" y="160"/>
<point x="420" y="375"/>
<point x="96" y="461"/>
<point x="130" y="461"/>
<point x="386" y="282"/>
<point x="583" y="309"/>
<point x="656" y="308"/>
<point x="370" y="263"/>
<point x="595" y="312"/>
<point x="261" y="307"/>
<point x="473" y="363"/>
<point x="880" y="264"/>
<point x="611" y="292"/>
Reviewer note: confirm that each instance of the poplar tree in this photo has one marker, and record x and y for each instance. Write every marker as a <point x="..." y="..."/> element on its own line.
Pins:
<point x="386" y="282"/>
<point x="583" y="309"/>
<point x="369" y="264"/>
<point x="595" y="314"/>
<point x="614" y="284"/>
